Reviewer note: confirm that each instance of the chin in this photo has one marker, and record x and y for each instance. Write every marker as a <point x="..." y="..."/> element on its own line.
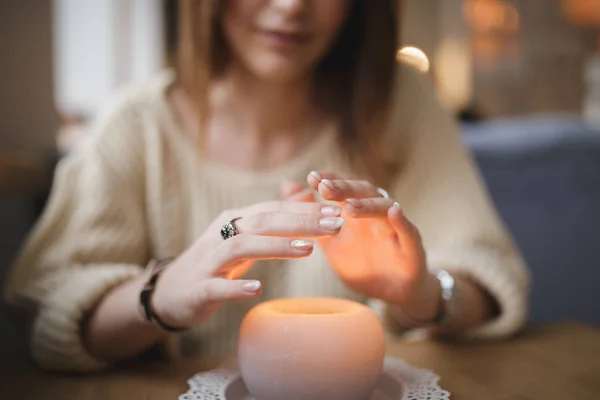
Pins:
<point x="278" y="70"/>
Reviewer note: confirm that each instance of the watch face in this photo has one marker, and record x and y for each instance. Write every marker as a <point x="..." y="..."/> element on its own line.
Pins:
<point x="449" y="296"/>
<point x="445" y="278"/>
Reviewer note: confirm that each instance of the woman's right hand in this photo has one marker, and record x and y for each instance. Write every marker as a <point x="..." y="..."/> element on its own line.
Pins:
<point x="191" y="288"/>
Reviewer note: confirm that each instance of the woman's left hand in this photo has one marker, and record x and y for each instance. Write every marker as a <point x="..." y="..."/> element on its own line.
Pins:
<point x="378" y="252"/>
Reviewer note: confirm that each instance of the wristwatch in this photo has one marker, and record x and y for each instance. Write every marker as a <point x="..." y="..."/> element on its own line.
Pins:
<point x="448" y="309"/>
<point x="154" y="269"/>
<point x="450" y="298"/>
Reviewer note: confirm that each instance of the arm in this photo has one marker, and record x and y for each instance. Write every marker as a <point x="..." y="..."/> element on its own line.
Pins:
<point x="114" y="331"/>
<point x="78" y="279"/>
<point x="476" y="305"/>
<point x="91" y="239"/>
<point x="192" y="286"/>
<point x="444" y="196"/>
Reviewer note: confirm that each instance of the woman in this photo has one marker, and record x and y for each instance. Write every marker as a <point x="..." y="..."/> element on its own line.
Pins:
<point x="206" y="166"/>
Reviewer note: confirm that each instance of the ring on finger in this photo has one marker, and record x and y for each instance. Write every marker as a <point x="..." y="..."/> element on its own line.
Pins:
<point x="229" y="229"/>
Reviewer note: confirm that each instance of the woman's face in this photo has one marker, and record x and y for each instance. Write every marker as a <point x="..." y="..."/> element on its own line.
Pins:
<point x="280" y="40"/>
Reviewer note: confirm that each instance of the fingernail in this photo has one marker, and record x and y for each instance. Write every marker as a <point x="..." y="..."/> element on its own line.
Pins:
<point x="331" y="224"/>
<point x="330" y="184"/>
<point x="355" y="203"/>
<point x="397" y="205"/>
<point x="331" y="211"/>
<point x="302" y="244"/>
<point x="251" y="287"/>
<point x="316" y="175"/>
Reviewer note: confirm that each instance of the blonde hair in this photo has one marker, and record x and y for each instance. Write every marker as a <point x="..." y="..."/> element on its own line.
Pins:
<point x="354" y="80"/>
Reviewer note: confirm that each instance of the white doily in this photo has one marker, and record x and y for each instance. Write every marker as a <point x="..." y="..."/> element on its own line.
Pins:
<point x="417" y="384"/>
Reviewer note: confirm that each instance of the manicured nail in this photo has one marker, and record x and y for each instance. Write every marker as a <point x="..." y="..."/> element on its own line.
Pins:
<point x="316" y="175"/>
<point x="331" y="211"/>
<point x="397" y="205"/>
<point x="251" y="287"/>
<point x="302" y="244"/>
<point x="331" y="224"/>
<point x="355" y="203"/>
<point x="330" y="184"/>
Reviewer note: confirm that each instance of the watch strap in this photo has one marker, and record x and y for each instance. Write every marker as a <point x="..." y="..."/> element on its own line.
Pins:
<point x="449" y="305"/>
<point x="154" y="270"/>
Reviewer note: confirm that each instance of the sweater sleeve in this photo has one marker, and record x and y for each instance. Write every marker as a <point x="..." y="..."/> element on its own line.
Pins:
<point x="443" y="194"/>
<point x="90" y="238"/>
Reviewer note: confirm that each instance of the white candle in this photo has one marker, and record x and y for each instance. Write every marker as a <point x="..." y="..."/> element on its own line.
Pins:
<point x="311" y="348"/>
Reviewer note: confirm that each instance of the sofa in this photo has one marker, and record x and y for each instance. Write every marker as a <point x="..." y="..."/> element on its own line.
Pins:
<point x="543" y="174"/>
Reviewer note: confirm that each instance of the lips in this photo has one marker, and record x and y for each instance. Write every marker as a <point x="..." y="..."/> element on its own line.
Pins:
<point x="281" y="37"/>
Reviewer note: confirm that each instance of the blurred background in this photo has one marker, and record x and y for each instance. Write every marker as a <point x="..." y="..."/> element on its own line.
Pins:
<point x="522" y="78"/>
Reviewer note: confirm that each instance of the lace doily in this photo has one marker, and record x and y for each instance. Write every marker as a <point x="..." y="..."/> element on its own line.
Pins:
<point x="417" y="384"/>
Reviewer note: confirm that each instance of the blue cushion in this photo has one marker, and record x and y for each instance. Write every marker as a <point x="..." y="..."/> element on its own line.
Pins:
<point x="543" y="175"/>
<point x="516" y="137"/>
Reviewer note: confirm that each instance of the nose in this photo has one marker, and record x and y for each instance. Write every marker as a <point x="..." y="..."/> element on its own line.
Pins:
<point x="290" y="6"/>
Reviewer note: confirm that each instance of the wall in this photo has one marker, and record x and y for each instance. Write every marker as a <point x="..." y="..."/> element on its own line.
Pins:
<point x="420" y="25"/>
<point x="540" y="67"/>
<point x="28" y="122"/>
<point x="28" y="117"/>
<point x="101" y="45"/>
<point x="437" y="28"/>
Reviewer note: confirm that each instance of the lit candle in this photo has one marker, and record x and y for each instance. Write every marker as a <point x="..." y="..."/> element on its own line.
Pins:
<point x="311" y="348"/>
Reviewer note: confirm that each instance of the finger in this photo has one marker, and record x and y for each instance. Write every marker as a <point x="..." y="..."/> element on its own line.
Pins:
<point x="290" y="225"/>
<point x="315" y="177"/>
<point x="297" y="207"/>
<point x="368" y="208"/>
<point x="255" y="247"/>
<point x="408" y="234"/>
<point x="289" y="189"/>
<point x="340" y="189"/>
<point x="306" y="195"/>
<point x="223" y="290"/>
<point x="335" y="187"/>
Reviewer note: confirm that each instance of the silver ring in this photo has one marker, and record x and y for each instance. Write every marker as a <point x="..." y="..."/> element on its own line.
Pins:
<point x="229" y="230"/>
<point x="383" y="193"/>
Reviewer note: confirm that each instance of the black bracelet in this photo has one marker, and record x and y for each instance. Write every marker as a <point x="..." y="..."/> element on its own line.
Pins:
<point x="155" y="267"/>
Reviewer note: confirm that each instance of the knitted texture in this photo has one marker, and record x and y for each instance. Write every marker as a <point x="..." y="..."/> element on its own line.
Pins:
<point x="137" y="190"/>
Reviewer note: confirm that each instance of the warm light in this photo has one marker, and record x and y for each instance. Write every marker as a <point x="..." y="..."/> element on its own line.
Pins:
<point x="582" y="12"/>
<point x="301" y="340"/>
<point x="454" y="73"/>
<point x="491" y="15"/>
<point x="414" y="57"/>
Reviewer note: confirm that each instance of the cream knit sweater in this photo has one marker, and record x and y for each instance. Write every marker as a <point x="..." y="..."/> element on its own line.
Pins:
<point x="137" y="190"/>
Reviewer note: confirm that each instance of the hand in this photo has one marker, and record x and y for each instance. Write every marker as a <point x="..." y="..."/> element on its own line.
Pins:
<point x="208" y="273"/>
<point x="379" y="252"/>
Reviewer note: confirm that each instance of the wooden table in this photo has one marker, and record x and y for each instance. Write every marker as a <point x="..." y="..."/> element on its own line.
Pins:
<point x="555" y="362"/>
